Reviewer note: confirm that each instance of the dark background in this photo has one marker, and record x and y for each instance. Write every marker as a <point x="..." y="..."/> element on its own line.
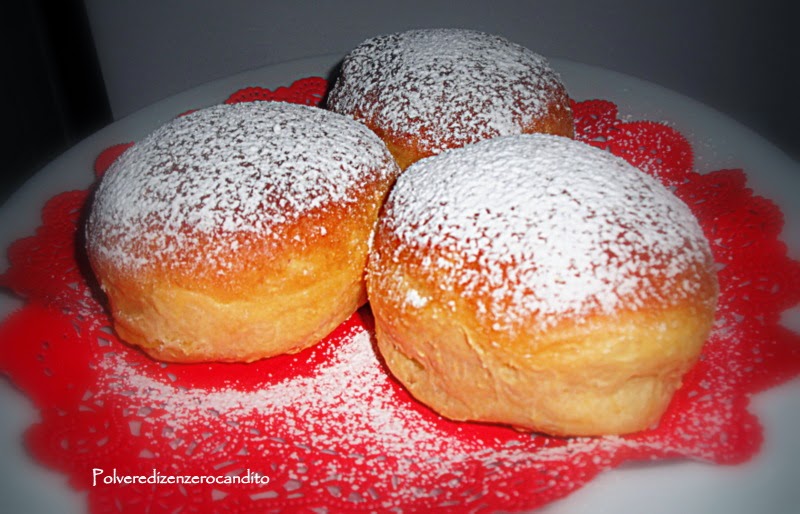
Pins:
<point x="52" y="85"/>
<point x="739" y="57"/>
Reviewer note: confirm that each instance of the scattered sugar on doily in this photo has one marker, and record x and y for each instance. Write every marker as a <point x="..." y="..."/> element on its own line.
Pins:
<point x="345" y="408"/>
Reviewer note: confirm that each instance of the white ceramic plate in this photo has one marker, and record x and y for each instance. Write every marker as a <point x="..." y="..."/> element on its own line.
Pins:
<point x="766" y="484"/>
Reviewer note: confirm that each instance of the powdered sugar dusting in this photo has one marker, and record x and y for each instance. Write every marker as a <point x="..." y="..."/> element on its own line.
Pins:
<point x="348" y="389"/>
<point x="543" y="224"/>
<point x="346" y="407"/>
<point x="444" y="85"/>
<point x="415" y="299"/>
<point x="229" y="170"/>
<point x="343" y="408"/>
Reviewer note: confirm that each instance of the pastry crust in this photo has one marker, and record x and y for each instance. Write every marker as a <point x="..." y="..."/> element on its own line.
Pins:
<point x="426" y="91"/>
<point x="238" y="232"/>
<point x="480" y="329"/>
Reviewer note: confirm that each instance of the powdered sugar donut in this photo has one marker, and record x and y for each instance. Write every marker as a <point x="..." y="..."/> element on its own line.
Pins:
<point x="537" y="281"/>
<point x="238" y="231"/>
<point x="424" y="91"/>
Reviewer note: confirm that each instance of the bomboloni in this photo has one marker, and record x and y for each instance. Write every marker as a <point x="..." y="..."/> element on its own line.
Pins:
<point x="426" y="91"/>
<point x="238" y="232"/>
<point x="539" y="282"/>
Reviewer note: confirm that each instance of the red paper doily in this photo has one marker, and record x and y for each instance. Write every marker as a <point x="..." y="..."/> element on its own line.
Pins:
<point x="329" y="428"/>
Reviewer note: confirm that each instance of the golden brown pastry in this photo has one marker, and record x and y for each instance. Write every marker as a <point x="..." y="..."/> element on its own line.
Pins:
<point x="239" y="231"/>
<point x="536" y="281"/>
<point x="425" y="91"/>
